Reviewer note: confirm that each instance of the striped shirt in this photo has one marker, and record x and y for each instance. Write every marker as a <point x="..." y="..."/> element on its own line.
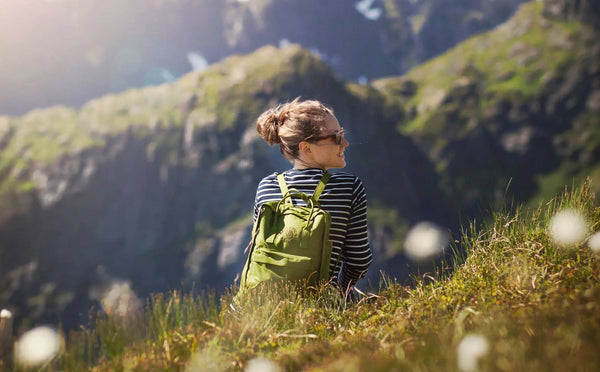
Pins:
<point x="345" y="199"/>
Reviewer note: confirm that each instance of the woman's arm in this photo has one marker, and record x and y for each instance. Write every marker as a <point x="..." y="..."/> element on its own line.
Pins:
<point x="356" y="255"/>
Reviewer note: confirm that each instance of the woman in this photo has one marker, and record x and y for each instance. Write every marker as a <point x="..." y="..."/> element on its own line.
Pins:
<point x="310" y="137"/>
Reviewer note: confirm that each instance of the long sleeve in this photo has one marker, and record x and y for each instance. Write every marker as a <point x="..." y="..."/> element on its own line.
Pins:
<point x="356" y="255"/>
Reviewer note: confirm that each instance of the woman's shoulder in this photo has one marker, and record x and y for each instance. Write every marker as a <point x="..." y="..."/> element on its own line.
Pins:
<point x="269" y="179"/>
<point x="348" y="180"/>
<point x="345" y="177"/>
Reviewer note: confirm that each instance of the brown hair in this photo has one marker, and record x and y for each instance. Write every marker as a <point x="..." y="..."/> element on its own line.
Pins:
<point x="290" y="123"/>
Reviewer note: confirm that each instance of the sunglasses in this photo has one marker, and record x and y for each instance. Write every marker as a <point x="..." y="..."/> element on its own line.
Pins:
<point x="338" y="136"/>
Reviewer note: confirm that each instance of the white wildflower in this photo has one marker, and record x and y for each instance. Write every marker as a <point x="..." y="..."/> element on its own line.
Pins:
<point x="425" y="241"/>
<point x="37" y="347"/>
<point x="262" y="365"/>
<point x="5" y="314"/>
<point x="470" y="350"/>
<point x="567" y="227"/>
<point x="594" y="243"/>
<point x="120" y="299"/>
<point x="208" y="359"/>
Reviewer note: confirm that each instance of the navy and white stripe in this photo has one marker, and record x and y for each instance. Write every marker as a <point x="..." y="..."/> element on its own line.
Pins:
<point x="345" y="199"/>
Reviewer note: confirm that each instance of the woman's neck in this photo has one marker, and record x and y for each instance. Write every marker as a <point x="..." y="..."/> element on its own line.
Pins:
<point x="303" y="162"/>
<point x="300" y="164"/>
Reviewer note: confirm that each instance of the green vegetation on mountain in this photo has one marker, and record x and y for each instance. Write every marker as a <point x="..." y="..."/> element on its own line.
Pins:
<point x="535" y="303"/>
<point x="495" y="101"/>
<point x="514" y="60"/>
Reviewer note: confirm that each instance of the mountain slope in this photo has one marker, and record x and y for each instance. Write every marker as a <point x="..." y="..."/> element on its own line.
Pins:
<point x="141" y="188"/>
<point x="508" y="110"/>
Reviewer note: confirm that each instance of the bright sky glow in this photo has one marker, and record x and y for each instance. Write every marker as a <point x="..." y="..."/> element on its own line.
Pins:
<point x="283" y="43"/>
<point x="197" y="61"/>
<point x="364" y="8"/>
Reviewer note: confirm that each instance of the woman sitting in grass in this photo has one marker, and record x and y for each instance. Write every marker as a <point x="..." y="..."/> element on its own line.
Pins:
<point x="311" y="138"/>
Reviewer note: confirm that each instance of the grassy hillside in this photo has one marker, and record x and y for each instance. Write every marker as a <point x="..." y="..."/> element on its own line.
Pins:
<point x="498" y="103"/>
<point x="529" y="303"/>
<point x="516" y="59"/>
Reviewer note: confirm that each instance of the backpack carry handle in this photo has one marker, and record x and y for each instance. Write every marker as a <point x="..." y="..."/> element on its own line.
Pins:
<point x="315" y="195"/>
<point x="287" y="197"/>
<point x="310" y="202"/>
<point x="288" y="194"/>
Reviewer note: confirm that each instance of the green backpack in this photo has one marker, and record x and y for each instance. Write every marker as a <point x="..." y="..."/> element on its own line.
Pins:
<point x="289" y="242"/>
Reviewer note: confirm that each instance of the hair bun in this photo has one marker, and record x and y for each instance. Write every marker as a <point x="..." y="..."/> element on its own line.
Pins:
<point x="268" y="125"/>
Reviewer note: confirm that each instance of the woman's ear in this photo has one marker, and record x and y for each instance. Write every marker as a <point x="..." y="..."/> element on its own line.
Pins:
<point x="304" y="147"/>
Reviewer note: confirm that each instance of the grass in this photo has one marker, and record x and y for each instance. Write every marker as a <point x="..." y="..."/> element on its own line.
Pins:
<point x="536" y="304"/>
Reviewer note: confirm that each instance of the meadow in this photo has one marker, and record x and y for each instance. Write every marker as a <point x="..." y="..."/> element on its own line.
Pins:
<point x="520" y="292"/>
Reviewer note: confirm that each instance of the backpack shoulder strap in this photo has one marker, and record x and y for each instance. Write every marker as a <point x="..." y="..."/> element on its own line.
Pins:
<point x="282" y="184"/>
<point x="283" y="187"/>
<point x="321" y="186"/>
